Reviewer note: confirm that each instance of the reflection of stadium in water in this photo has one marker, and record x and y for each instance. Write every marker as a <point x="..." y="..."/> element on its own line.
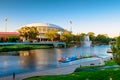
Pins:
<point x="34" y="60"/>
<point x="25" y="53"/>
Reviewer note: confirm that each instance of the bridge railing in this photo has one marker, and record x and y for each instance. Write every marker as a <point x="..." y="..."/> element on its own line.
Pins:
<point x="47" y="42"/>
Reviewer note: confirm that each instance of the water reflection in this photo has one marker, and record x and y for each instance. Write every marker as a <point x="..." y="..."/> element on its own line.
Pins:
<point x="25" y="53"/>
<point x="41" y="59"/>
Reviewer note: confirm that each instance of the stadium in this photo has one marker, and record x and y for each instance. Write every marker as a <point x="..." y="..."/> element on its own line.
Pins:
<point x="45" y="27"/>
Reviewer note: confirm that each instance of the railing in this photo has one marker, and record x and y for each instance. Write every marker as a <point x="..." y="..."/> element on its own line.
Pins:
<point x="46" y="42"/>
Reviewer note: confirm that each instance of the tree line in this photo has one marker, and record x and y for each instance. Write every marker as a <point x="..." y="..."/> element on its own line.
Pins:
<point x="31" y="33"/>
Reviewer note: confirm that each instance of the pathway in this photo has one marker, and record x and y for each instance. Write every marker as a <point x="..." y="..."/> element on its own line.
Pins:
<point x="56" y="71"/>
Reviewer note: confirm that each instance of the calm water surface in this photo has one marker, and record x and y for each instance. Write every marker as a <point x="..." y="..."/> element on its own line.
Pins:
<point x="41" y="59"/>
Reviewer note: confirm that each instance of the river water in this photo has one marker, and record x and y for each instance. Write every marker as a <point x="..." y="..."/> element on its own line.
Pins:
<point x="42" y="59"/>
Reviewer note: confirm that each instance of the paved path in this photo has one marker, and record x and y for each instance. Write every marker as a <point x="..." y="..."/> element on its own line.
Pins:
<point x="56" y="71"/>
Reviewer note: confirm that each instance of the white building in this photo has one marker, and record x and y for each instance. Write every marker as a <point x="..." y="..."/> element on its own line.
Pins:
<point x="45" y="27"/>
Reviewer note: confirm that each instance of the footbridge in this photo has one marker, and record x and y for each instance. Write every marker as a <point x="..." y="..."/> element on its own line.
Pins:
<point x="54" y="44"/>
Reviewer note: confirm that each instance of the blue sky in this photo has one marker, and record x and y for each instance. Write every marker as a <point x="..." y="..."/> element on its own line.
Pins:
<point x="98" y="16"/>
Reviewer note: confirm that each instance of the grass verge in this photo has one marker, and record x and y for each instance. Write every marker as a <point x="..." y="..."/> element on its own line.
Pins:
<point x="22" y="47"/>
<point x="103" y="74"/>
<point x="90" y="75"/>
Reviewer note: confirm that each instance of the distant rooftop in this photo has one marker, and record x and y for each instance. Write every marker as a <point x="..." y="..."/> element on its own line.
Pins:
<point x="5" y="33"/>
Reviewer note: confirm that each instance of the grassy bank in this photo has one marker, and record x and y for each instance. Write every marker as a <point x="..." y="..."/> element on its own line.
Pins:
<point x="90" y="75"/>
<point x="88" y="68"/>
<point x="103" y="74"/>
<point x="22" y="47"/>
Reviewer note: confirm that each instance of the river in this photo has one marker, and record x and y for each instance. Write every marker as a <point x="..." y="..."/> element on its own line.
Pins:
<point x="42" y="59"/>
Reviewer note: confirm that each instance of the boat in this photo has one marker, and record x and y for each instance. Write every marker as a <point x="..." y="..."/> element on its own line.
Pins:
<point x="73" y="58"/>
<point x="68" y="59"/>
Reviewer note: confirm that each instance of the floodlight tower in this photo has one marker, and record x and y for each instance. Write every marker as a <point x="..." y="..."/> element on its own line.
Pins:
<point x="71" y="26"/>
<point x="6" y="20"/>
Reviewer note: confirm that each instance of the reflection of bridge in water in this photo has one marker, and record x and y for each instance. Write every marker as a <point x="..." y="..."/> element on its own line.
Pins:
<point x="54" y="44"/>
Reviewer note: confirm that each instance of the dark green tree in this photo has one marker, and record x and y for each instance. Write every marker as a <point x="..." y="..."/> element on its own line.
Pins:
<point x="91" y="36"/>
<point x="102" y="39"/>
<point x="82" y="36"/>
<point x="76" y="39"/>
<point x="12" y="38"/>
<point x="116" y="50"/>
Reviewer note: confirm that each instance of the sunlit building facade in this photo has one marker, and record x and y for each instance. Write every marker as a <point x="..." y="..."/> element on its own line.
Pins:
<point x="45" y="27"/>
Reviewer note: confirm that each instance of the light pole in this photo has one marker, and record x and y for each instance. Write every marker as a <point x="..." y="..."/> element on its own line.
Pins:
<point x="71" y="26"/>
<point x="5" y="20"/>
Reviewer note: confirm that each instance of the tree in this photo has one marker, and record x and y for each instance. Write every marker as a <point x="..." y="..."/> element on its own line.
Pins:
<point x="103" y="39"/>
<point x="91" y="36"/>
<point x="66" y="36"/>
<point x="116" y="50"/>
<point x="82" y="36"/>
<point x="76" y="38"/>
<point x="12" y="38"/>
<point x="28" y="32"/>
<point x="51" y="35"/>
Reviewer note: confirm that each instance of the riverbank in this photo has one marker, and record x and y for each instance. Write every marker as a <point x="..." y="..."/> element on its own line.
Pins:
<point x="62" y="68"/>
<point x="19" y="47"/>
<point x="99" y="74"/>
<point x="55" y="71"/>
<point x="63" y="73"/>
<point x="105" y="74"/>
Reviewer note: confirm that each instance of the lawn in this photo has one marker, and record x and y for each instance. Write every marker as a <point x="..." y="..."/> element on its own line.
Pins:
<point x="18" y="47"/>
<point x="102" y="74"/>
<point x="89" y="75"/>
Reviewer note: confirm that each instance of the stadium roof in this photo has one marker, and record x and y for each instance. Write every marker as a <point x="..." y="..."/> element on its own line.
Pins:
<point x="44" y="24"/>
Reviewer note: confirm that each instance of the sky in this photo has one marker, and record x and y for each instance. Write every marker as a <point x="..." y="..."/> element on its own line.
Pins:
<point x="98" y="16"/>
